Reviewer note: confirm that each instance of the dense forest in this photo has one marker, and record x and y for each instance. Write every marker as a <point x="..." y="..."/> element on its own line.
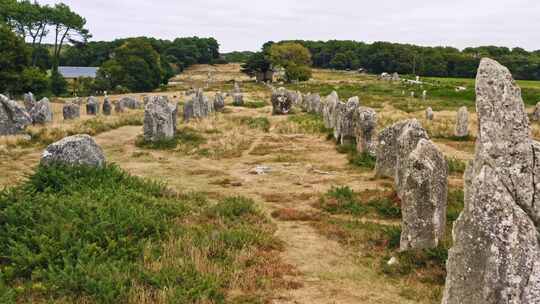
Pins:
<point x="381" y="57"/>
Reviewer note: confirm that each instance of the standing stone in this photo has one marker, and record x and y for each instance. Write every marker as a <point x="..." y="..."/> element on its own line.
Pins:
<point x="238" y="99"/>
<point x="365" y="122"/>
<point x="496" y="253"/>
<point x="107" y="106"/>
<point x="424" y="198"/>
<point x="92" y="106"/>
<point x="281" y="104"/>
<point x="75" y="150"/>
<point x="146" y="99"/>
<point x="158" y="120"/>
<point x="219" y="102"/>
<point x="462" y="122"/>
<point x="119" y="107"/>
<point x="395" y="77"/>
<point x="388" y="148"/>
<point x="131" y="102"/>
<point x="429" y="113"/>
<point x="329" y="108"/>
<point x="345" y="131"/>
<point x="174" y="113"/>
<point x="411" y="133"/>
<point x="197" y="107"/>
<point x="29" y="101"/>
<point x="42" y="112"/>
<point x="236" y="89"/>
<point x="13" y="117"/>
<point x="71" y="111"/>
<point x="424" y="95"/>
<point x="536" y="113"/>
<point x="313" y="103"/>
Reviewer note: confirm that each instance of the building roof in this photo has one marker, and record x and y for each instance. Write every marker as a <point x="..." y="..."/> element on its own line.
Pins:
<point x="76" y="72"/>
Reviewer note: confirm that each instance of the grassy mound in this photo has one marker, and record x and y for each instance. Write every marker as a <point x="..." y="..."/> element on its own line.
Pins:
<point x="103" y="236"/>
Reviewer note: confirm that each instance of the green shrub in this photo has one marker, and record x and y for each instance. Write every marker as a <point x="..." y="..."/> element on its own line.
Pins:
<point x="310" y="123"/>
<point x="362" y="160"/>
<point x="342" y="200"/>
<point x="455" y="204"/>
<point x="456" y="166"/>
<point x="385" y="207"/>
<point x="186" y="137"/>
<point x="261" y="123"/>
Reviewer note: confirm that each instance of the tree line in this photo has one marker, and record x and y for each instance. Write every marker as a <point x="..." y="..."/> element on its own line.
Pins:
<point x="132" y="64"/>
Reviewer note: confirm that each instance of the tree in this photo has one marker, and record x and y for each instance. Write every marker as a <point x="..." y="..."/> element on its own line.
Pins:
<point x="14" y="58"/>
<point x="294" y="58"/>
<point x="67" y="25"/>
<point x="34" y="80"/>
<point x="257" y="63"/>
<point x="58" y="83"/>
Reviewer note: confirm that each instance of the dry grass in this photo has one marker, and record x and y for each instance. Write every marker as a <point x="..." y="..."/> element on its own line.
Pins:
<point x="290" y="214"/>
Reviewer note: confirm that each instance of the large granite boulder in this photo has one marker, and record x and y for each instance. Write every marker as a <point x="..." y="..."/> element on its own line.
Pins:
<point x="131" y="102"/>
<point x="345" y="130"/>
<point x="388" y="148"/>
<point x="238" y="99"/>
<point x="29" y="101"/>
<point x="329" y="108"/>
<point x="424" y="198"/>
<point x="536" y="113"/>
<point x="42" y="112"/>
<point x="71" y="111"/>
<point x="219" y="102"/>
<point x="312" y="103"/>
<point x="365" y="124"/>
<point x="158" y="120"/>
<point x="13" y="117"/>
<point x="174" y="112"/>
<point x="107" y="106"/>
<point x="462" y="122"/>
<point x="411" y="133"/>
<point x="74" y="150"/>
<point x="281" y="104"/>
<point x="92" y="106"/>
<point x="496" y="253"/>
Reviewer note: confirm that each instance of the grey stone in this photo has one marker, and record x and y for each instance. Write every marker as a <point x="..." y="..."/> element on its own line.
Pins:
<point x="411" y="133"/>
<point x="29" y="101"/>
<point x="429" y="113"/>
<point x="131" y="103"/>
<point x="281" y="104"/>
<point x="496" y="252"/>
<point x="92" y="106"/>
<point x="197" y="107"/>
<point x="107" y="106"/>
<point x="219" y="102"/>
<point x="74" y="150"/>
<point x="119" y="107"/>
<point x="158" y="120"/>
<point x="174" y="112"/>
<point x="388" y="148"/>
<point x="462" y="122"/>
<point x="42" y="112"/>
<point x="424" y="198"/>
<point x="365" y="124"/>
<point x="71" y="111"/>
<point x="395" y="77"/>
<point x="536" y="113"/>
<point x="236" y="89"/>
<point x="345" y="130"/>
<point x="13" y="117"/>
<point x="312" y="103"/>
<point x="329" y="108"/>
<point x="238" y="99"/>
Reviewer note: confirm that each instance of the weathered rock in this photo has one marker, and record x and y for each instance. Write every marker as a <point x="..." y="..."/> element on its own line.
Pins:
<point x="74" y="150"/>
<point x="219" y="102"/>
<point x="13" y="117"/>
<point x="146" y="99"/>
<point x="329" y="108"/>
<point x="42" y="112"/>
<point x="92" y="106"/>
<point x="462" y="122"/>
<point x="429" y="113"/>
<point x="29" y="101"/>
<point x="107" y="106"/>
<point x="496" y="253"/>
<point x="411" y="133"/>
<point x="313" y="103"/>
<point x="281" y="104"/>
<point x="424" y="198"/>
<point x="365" y="124"/>
<point x="388" y="148"/>
<point x="174" y="112"/>
<point x="71" y="111"/>
<point x="197" y="107"/>
<point x="395" y="77"/>
<point x="345" y="130"/>
<point x="238" y="99"/>
<point x="536" y="113"/>
<point x="131" y="103"/>
<point x="119" y="107"/>
<point x="158" y="120"/>
<point x="236" y="89"/>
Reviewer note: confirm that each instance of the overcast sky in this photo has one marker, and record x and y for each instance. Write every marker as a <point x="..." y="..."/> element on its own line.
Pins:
<point x="246" y="25"/>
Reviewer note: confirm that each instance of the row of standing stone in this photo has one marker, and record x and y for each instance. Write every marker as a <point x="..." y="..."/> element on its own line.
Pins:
<point x="349" y="121"/>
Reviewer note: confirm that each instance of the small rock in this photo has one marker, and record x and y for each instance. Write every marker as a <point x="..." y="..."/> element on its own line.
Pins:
<point x="74" y="150"/>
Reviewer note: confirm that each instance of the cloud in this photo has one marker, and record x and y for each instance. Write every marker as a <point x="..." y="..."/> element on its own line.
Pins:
<point x="246" y="25"/>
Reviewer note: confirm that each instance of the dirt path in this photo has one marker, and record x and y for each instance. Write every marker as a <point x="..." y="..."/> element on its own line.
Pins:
<point x="329" y="273"/>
